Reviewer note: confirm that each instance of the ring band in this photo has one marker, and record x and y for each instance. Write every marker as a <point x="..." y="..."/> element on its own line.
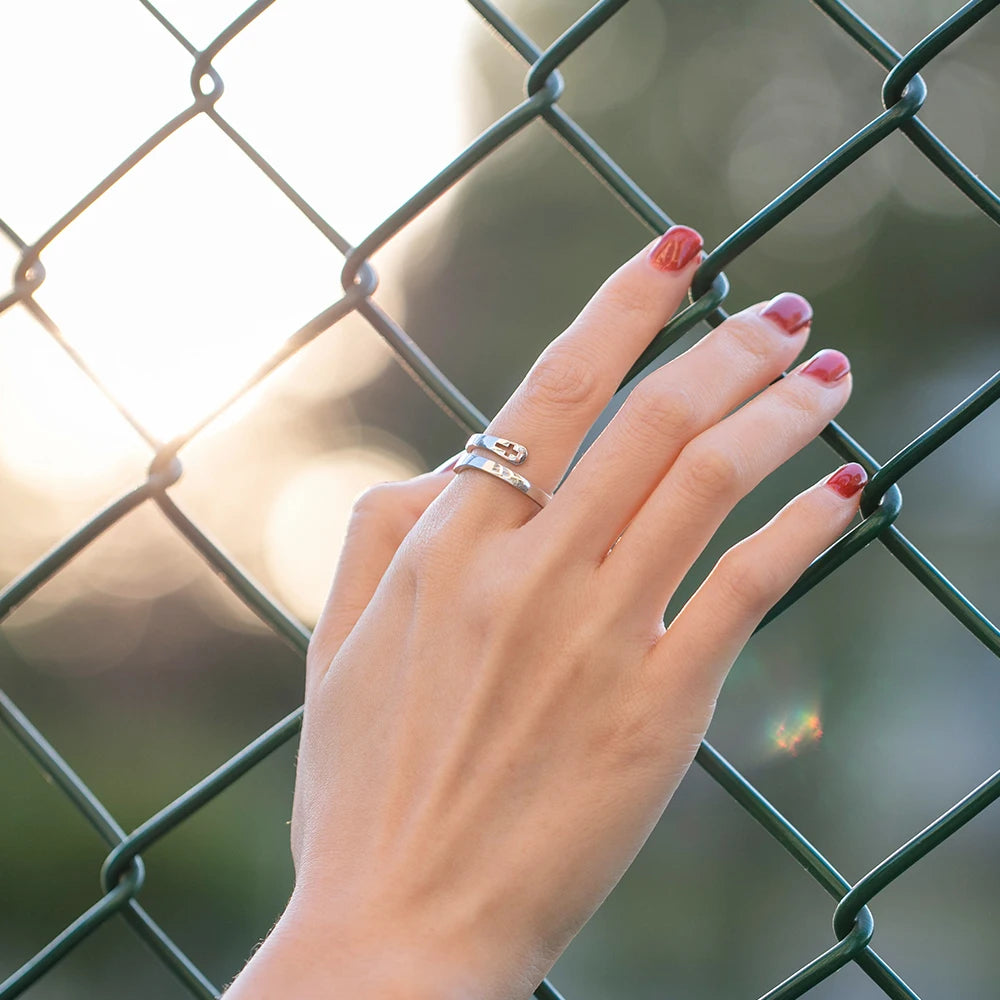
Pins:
<point x="513" y="452"/>
<point x="508" y="475"/>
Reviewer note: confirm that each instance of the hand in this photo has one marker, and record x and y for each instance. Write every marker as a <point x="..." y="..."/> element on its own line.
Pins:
<point x="495" y="714"/>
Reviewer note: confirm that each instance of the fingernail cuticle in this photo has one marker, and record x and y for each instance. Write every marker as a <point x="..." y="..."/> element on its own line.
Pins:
<point x="828" y="366"/>
<point x="676" y="248"/>
<point x="848" y="480"/>
<point x="790" y="311"/>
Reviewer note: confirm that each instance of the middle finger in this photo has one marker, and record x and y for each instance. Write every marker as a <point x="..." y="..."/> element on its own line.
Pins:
<point x="664" y="412"/>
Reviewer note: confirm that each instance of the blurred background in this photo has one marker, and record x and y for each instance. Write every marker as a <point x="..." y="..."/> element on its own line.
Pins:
<point x="863" y="712"/>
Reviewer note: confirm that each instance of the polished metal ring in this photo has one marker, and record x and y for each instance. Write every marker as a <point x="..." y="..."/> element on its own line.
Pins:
<point x="504" y="472"/>
<point x="513" y="452"/>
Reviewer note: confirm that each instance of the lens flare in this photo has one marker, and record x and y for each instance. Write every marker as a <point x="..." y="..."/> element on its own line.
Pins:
<point x="797" y="730"/>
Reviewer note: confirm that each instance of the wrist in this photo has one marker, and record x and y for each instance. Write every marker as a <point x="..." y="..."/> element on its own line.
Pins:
<point x="312" y="954"/>
<point x="313" y="960"/>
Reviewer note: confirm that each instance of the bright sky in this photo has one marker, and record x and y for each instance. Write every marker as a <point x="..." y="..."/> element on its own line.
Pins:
<point x="194" y="268"/>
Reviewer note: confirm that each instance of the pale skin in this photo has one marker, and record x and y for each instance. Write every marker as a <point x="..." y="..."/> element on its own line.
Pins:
<point x="496" y="714"/>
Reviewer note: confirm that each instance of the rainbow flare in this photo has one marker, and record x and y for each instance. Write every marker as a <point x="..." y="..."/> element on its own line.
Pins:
<point x="792" y="733"/>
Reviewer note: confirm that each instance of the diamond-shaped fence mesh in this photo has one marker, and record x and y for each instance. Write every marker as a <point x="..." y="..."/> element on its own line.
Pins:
<point x="903" y="94"/>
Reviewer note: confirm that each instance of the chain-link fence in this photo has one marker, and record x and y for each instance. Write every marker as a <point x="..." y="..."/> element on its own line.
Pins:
<point x="903" y="94"/>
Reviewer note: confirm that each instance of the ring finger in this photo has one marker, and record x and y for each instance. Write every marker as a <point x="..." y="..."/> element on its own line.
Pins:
<point x="714" y="472"/>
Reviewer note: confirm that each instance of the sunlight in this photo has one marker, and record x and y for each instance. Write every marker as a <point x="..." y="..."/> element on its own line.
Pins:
<point x="183" y="278"/>
<point x="193" y="269"/>
<point x="309" y="518"/>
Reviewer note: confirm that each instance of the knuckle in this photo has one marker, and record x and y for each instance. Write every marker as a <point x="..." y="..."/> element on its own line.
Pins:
<point x="755" y="340"/>
<point x="386" y="510"/>
<point x="432" y="541"/>
<point x="634" y="724"/>
<point x="711" y="471"/>
<point x="634" y="738"/>
<point x="380" y="501"/>
<point x="803" y="401"/>
<point x="655" y="409"/>
<point x="633" y="730"/>
<point x="426" y="565"/>
<point x="748" y="582"/>
<point x="626" y="300"/>
<point x="562" y="377"/>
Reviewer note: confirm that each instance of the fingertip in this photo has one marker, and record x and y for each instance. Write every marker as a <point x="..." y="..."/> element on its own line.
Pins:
<point x="678" y="248"/>
<point x="847" y="481"/>
<point x="827" y="366"/>
<point x="789" y="311"/>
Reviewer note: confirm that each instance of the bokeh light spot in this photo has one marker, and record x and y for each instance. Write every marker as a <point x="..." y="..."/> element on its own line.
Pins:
<point x="308" y="520"/>
<point x="797" y="730"/>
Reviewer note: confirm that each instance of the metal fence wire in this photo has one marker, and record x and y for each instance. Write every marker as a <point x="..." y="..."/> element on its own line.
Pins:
<point x="903" y="93"/>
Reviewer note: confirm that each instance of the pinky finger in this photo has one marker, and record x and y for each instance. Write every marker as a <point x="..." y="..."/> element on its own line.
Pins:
<point x="705" y="638"/>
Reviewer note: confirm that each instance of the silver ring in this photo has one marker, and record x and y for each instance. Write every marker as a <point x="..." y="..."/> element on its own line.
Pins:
<point x="513" y="452"/>
<point x="508" y="475"/>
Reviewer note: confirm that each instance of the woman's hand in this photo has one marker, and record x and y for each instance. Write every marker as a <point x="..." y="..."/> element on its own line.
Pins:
<point x="495" y="714"/>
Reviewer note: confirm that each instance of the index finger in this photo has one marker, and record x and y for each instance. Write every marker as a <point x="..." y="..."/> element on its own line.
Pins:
<point x="575" y="376"/>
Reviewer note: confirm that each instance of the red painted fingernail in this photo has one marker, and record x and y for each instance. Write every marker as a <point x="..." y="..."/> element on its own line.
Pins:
<point x="790" y="311"/>
<point x="827" y="366"/>
<point x="676" y="248"/>
<point x="848" y="480"/>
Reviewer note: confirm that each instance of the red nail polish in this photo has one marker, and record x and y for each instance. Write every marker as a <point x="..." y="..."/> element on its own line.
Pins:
<point x="848" y="480"/>
<point x="827" y="366"/>
<point x="790" y="311"/>
<point x="676" y="248"/>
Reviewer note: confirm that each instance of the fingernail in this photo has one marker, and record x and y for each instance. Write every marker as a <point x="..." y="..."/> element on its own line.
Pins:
<point x="790" y="311"/>
<point x="827" y="366"/>
<point x="450" y="464"/>
<point x="848" y="480"/>
<point x="676" y="248"/>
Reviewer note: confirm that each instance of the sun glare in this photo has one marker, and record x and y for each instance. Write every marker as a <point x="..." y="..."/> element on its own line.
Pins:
<point x="193" y="268"/>
<point x="184" y="277"/>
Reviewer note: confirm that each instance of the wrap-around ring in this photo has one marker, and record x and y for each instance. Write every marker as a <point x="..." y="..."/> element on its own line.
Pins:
<point x="505" y="473"/>
<point x="510" y="450"/>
